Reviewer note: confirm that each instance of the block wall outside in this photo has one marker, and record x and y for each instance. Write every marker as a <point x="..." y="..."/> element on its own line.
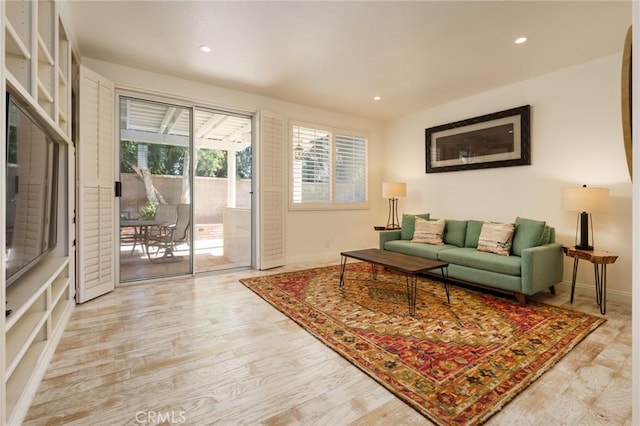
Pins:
<point x="210" y="195"/>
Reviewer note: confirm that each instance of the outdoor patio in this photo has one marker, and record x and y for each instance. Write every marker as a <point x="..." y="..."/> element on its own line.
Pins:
<point x="209" y="254"/>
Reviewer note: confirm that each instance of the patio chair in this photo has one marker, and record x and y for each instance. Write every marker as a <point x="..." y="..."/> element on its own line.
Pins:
<point x="137" y="231"/>
<point x="167" y="237"/>
<point x="166" y="214"/>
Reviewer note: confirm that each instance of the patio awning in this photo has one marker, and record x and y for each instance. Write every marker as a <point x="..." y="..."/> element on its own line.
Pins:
<point x="159" y="123"/>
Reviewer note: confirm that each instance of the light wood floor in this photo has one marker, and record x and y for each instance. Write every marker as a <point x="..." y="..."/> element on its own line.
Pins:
<point x="207" y="350"/>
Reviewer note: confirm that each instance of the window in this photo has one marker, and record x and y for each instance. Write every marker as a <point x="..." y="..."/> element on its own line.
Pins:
<point x="328" y="168"/>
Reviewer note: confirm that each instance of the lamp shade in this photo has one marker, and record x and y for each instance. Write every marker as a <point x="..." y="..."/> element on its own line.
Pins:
<point x="394" y="189"/>
<point x="586" y="199"/>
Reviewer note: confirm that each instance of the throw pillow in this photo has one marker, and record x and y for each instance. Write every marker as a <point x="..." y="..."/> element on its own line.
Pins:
<point x="527" y="234"/>
<point x="496" y="238"/>
<point x="428" y="231"/>
<point x="408" y="225"/>
<point x="455" y="231"/>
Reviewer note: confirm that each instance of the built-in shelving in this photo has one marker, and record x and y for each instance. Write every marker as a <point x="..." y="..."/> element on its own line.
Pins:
<point x="36" y="53"/>
<point x="44" y="94"/>
<point x="14" y="44"/>
<point x="63" y="71"/>
<point x="22" y="336"/>
<point x="18" y="37"/>
<point x="59" y="289"/>
<point x="41" y="301"/>
<point x="38" y="58"/>
<point x="20" y="380"/>
<point x="43" y="54"/>
<point x="27" y="289"/>
<point x="46" y="66"/>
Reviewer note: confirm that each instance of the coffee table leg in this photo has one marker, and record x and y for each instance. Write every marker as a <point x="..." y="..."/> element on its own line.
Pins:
<point x="412" y="284"/>
<point x="374" y="271"/>
<point x="343" y="264"/>
<point x="445" y="278"/>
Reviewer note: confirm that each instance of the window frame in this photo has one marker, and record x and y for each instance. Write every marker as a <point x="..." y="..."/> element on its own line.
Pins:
<point x="332" y="204"/>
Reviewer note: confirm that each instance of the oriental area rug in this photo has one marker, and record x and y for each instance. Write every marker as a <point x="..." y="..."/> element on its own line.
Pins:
<point x="455" y="364"/>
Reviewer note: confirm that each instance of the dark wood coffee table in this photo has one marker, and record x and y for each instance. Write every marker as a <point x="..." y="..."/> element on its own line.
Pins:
<point x="411" y="266"/>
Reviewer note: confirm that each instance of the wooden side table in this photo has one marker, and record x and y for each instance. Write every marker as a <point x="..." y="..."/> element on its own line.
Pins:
<point x="600" y="260"/>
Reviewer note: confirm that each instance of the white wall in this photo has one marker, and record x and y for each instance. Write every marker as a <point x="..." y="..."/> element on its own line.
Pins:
<point x="310" y="235"/>
<point x="576" y="138"/>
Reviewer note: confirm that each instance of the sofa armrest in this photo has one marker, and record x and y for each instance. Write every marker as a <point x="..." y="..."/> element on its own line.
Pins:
<point x="541" y="267"/>
<point x="388" y="236"/>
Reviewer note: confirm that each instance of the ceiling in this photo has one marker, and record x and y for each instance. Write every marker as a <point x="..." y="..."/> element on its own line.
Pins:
<point x="339" y="55"/>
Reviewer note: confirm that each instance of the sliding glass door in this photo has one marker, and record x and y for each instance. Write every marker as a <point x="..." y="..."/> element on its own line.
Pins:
<point x="222" y="190"/>
<point x="156" y="198"/>
<point x="164" y="224"/>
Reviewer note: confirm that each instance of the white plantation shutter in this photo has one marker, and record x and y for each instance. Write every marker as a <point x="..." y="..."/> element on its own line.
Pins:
<point x="271" y="190"/>
<point x="351" y="169"/>
<point x="328" y="168"/>
<point x="95" y="213"/>
<point x="311" y="181"/>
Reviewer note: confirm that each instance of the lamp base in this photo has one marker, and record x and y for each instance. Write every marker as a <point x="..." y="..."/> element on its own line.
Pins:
<point x="585" y="243"/>
<point x="392" y="219"/>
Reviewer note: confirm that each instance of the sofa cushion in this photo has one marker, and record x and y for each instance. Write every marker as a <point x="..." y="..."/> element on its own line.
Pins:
<point x="547" y="236"/>
<point x="487" y="278"/>
<point x="473" y="233"/>
<point x="527" y="234"/>
<point x="496" y="238"/>
<point x="428" y="251"/>
<point x="455" y="232"/>
<point x="408" y="224"/>
<point x="472" y="258"/>
<point x="428" y="231"/>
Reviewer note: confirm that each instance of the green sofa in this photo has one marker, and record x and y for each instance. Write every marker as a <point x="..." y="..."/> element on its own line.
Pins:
<point x="534" y="262"/>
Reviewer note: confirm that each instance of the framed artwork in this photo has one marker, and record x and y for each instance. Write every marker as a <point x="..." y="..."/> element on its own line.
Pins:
<point x="500" y="139"/>
<point x="625" y="98"/>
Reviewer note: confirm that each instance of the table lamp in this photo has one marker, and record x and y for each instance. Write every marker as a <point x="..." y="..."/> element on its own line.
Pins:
<point x="585" y="200"/>
<point x="393" y="191"/>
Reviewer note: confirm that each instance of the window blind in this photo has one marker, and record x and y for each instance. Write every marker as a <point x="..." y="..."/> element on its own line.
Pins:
<point x="328" y="167"/>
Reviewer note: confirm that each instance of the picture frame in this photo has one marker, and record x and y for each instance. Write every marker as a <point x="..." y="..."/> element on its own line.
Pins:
<point x="625" y="99"/>
<point x="500" y="139"/>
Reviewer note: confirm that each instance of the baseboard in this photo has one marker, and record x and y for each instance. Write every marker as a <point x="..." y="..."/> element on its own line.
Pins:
<point x="316" y="258"/>
<point x="612" y="295"/>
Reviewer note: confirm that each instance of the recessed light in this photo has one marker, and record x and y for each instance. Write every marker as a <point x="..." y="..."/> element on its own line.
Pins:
<point x="521" y="40"/>
<point x="205" y="49"/>
<point x="376" y="98"/>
